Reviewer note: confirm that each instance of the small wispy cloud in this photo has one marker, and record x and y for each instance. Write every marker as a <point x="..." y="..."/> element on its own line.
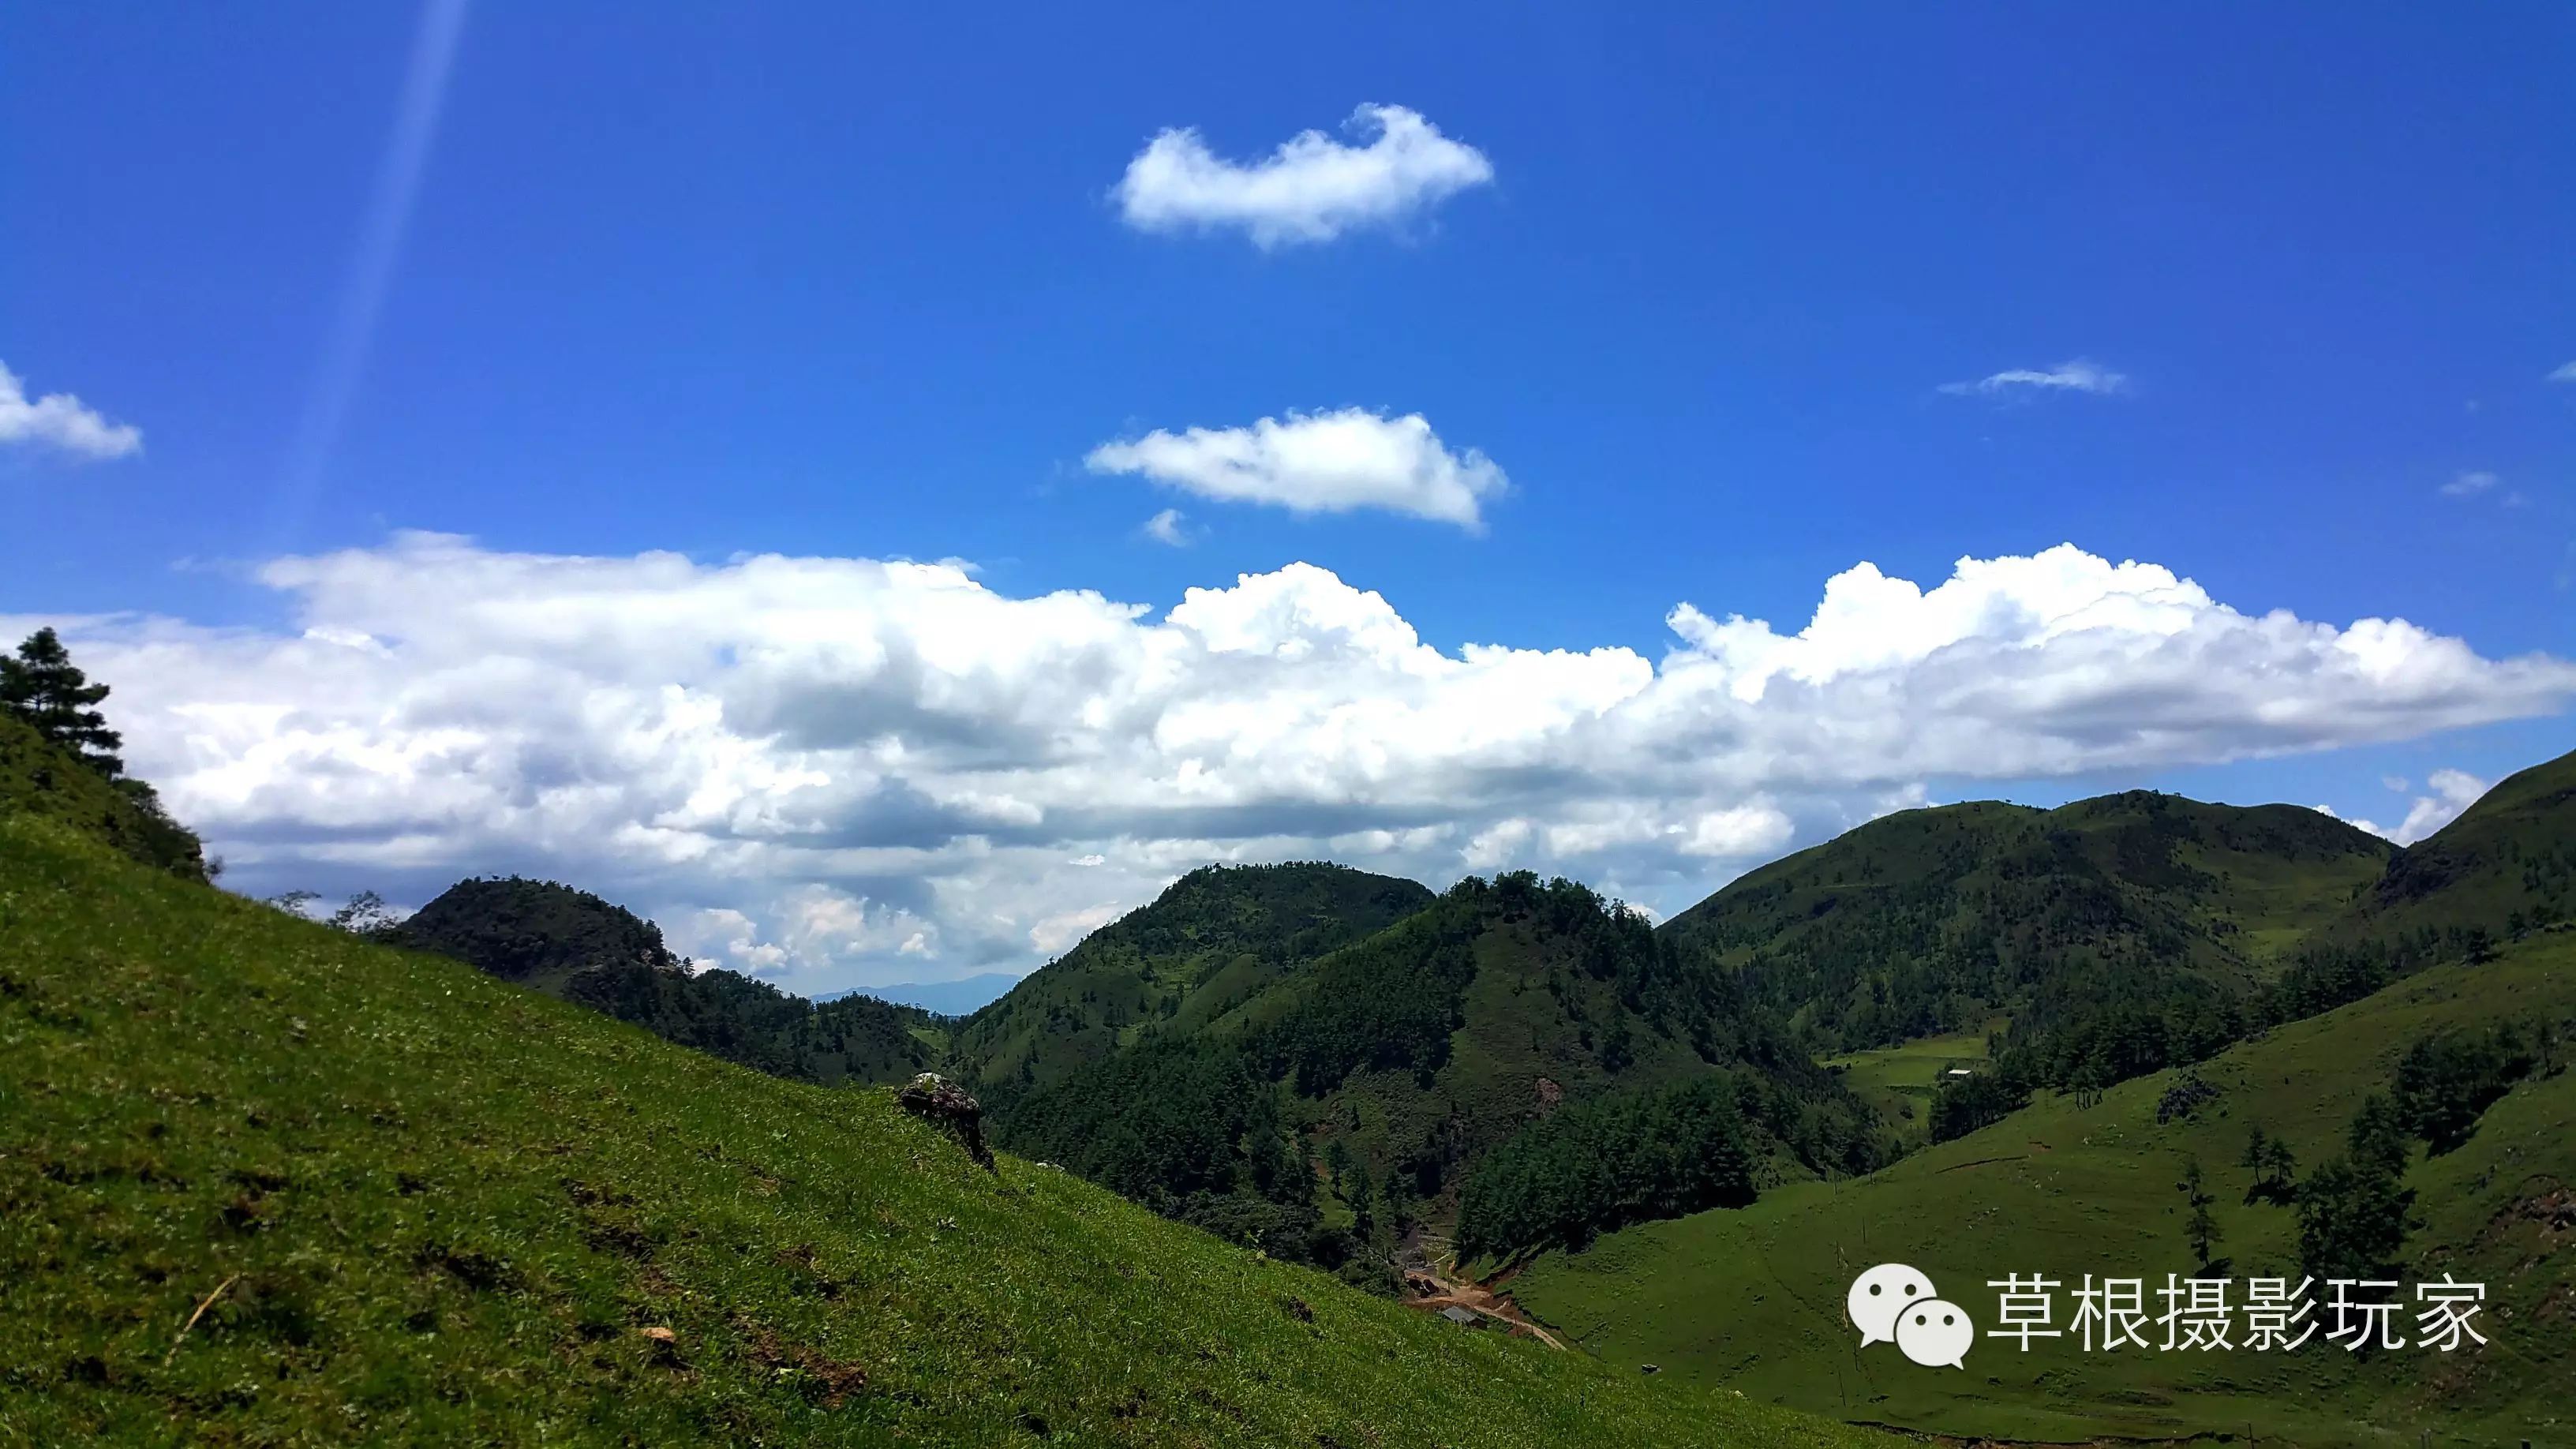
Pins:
<point x="1165" y="527"/>
<point x="2469" y="485"/>
<point x="2452" y="792"/>
<point x="1312" y="189"/>
<point x="2564" y="374"/>
<point x="61" y="421"/>
<point x="2075" y="376"/>
<point x="1337" y="462"/>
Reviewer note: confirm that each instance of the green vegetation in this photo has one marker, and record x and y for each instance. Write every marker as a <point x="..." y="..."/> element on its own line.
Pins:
<point x="1210" y="942"/>
<point x="286" y="1182"/>
<point x="1900" y="1081"/>
<point x="1752" y="1299"/>
<point x="43" y="688"/>
<point x="2416" y="1064"/>
<point x="2505" y="866"/>
<point x="1972" y="1102"/>
<point x="1409" y="1055"/>
<point x="570" y="943"/>
<point x="1604" y="1164"/>
<point x="2121" y="935"/>
<point x="58" y="759"/>
<point x="266" y="1183"/>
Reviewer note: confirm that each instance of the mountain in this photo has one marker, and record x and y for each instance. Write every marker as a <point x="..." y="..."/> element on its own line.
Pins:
<point x="2508" y="863"/>
<point x="39" y="778"/>
<point x="2114" y="936"/>
<point x="961" y="997"/>
<point x="2434" y="1005"/>
<point x="267" y="1184"/>
<point x="1211" y="940"/>
<point x="1320" y="1108"/>
<point x="2073" y="1185"/>
<point x="572" y="944"/>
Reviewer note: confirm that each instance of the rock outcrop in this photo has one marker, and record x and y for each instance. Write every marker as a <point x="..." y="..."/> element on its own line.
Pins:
<point x="942" y="1101"/>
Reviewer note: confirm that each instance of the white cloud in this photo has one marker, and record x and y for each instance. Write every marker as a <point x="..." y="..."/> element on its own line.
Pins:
<point x="2075" y="376"/>
<point x="2469" y="485"/>
<point x="840" y="770"/>
<point x="2453" y="792"/>
<point x="1312" y="189"/>
<point x="60" y="420"/>
<point x="1333" y="462"/>
<point x="1165" y="527"/>
<point x="2565" y="373"/>
<point x="1057" y="934"/>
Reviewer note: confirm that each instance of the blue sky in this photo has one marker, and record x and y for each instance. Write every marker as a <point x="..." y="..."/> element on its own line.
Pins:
<point x="802" y="280"/>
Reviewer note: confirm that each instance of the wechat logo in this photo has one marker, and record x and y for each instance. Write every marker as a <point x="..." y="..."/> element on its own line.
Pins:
<point x="1893" y="1303"/>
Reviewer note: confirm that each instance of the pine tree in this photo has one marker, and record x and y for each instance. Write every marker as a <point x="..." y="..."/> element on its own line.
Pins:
<point x="2278" y="1164"/>
<point x="44" y="688"/>
<point x="2379" y="1137"/>
<point x="2202" y="1228"/>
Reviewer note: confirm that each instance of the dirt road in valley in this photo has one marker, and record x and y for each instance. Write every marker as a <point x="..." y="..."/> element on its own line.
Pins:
<point x="1432" y="1291"/>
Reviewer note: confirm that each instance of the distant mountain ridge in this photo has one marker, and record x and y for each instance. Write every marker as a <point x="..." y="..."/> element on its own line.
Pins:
<point x="571" y="944"/>
<point x="1935" y="920"/>
<point x="961" y="997"/>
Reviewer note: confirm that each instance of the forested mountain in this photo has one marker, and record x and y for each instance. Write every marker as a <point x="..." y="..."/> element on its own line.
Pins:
<point x="1938" y="920"/>
<point x="1387" y="1068"/>
<point x="2397" y="1108"/>
<point x="1211" y="941"/>
<point x="572" y="944"/>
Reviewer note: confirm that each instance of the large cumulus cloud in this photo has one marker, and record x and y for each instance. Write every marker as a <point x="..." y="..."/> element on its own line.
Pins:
<point x="837" y="770"/>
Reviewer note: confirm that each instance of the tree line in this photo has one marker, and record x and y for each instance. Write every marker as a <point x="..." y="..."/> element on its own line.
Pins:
<point x="1597" y="1166"/>
<point x="43" y="691"/>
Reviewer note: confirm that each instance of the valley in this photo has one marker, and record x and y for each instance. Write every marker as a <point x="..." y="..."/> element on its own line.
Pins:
<point x="2132" y="1036"/>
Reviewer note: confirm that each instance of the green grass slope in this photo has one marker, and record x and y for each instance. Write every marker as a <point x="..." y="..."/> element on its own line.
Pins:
<point x="1210" y="942"/>
<point x="1899" y="1082"/>
<point x="1931" y="921"/>
<point x="2507" y="864"/>
<point x="38" y="779"/>
<point x="1752" y="1299"/>
<point x="266" y="1184"/>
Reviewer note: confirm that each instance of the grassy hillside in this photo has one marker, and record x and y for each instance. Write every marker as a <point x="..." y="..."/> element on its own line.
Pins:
<point x="420" y="1205"/>
<point x="574" y="945"/>
<point x="2508" y="863"/>
<point x="1753" y="1299"/>
<point x="1932" y="921"/>
<point x="1899" y="1082"/>
<point x="38" y="779"/>
<point x="1210" y="942"/>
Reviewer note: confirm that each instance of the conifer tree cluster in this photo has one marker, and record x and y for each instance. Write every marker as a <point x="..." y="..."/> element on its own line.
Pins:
<point x="41" y="689"/>
<point x="42" y="686"/>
